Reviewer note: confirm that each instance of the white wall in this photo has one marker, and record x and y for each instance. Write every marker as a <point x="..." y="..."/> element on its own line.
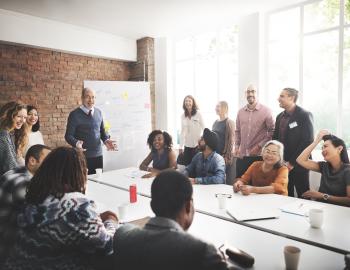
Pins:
<point x="250" y="53"/>
<point x="165" y="107"/>
<point x="37" y="32"/>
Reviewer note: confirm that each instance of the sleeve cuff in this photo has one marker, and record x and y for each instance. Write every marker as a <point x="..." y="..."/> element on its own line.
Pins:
<point x="199" y="180"/>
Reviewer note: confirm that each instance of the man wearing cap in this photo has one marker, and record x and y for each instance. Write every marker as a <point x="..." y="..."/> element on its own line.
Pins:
<point x="207" y="166"/>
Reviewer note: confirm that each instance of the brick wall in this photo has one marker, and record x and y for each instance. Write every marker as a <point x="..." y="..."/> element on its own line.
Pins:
<point x="143" y="69"/>
<point x="52" y="81"/>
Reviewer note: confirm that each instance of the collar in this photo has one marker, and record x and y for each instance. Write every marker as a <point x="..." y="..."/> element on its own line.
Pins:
<point x="86" y="110"/>
<point x="257" y="107"/>
<point x="209" y="157"/>
<point x="164" y="223"/>
<point x="291" y="112"/>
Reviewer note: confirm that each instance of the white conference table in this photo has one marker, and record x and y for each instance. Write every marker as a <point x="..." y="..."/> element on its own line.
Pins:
<point x="266" y="248"/>
<point x="334" y="234"/>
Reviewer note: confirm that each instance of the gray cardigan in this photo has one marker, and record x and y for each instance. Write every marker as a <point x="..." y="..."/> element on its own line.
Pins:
<point x="8" y="157"/>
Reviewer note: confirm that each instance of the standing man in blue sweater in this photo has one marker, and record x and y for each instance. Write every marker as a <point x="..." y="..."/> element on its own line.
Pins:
<point x="85" y="130"/>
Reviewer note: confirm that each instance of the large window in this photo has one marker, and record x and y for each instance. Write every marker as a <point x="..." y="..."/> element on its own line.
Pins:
<point x="206" y="67"/>
<point x="308" y="48"/>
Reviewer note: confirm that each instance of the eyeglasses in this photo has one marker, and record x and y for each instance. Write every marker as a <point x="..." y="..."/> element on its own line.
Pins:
<point x="250" y="91"/>
<point x="272" y="153"/>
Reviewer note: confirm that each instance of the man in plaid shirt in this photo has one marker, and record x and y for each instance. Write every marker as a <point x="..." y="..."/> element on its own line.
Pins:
<point x="13" y="186"/>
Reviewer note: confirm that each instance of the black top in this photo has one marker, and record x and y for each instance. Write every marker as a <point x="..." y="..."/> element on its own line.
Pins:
<point x="162" y="244"/>
<point x="298" y="135"/>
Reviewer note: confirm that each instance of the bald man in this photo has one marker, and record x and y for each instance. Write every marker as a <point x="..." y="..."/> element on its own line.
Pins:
<point x="254" y="127"/>
<point x="86" y="130"/>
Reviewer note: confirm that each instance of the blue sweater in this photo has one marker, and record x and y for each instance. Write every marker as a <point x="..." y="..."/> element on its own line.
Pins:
<point x="89" y="129"/>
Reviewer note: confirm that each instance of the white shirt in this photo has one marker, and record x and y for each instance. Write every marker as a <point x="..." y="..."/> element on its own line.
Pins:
<point x="86" y="110"/>
<point x="34" y="138"/>
<point x="191" y="130"/>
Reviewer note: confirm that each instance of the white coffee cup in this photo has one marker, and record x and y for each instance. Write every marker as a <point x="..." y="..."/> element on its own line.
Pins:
<point x="122" y="211"/>
<point x="98" y="172"/>
<point x="221" y="200"/>
<point x="316" y="218"/>
<point x="291" y="257"/>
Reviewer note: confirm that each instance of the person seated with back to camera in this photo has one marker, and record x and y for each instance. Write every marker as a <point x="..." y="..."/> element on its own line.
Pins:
<point x="162" y="155"/>
<point x="163" y="243"/>
<point x="207" y="166"/>
<point x="267" y="176"/>
<point x="335" y="170"/>
<point x="59" y="227"/>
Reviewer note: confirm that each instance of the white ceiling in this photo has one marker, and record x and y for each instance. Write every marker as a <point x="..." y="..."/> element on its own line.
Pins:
<point x="140" y="18"/>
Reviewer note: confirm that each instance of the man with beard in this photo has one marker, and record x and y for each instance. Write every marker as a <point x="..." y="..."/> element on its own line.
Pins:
<point x="207" y="166"/>
<point x="294" y="128"/>
<point x="254" y="127"/>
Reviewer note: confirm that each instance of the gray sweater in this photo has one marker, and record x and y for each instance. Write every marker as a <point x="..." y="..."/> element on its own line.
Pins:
<point x="89" y="129"/>
<point x="8" y="157"/>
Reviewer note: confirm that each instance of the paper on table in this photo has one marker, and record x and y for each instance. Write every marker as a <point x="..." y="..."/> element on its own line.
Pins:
<point x="300" y="208"/>
<point x="250" y="213"/>
<point x="136" y="174"/>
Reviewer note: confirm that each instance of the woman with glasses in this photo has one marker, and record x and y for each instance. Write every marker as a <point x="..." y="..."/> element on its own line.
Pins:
<point x="335" y="170"/>
<point x="267" y="176"/>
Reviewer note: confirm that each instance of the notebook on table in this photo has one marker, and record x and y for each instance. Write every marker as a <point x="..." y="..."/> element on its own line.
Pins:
<point x="250" y="214"/>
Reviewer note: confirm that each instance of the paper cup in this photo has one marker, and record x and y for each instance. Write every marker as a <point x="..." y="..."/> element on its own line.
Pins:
<point x="122" y="211"/>
<point x="98" y="173"/>
<point x="291" y="257"/>
<point x="316" y="218"/>
<point x="221" y="201"/>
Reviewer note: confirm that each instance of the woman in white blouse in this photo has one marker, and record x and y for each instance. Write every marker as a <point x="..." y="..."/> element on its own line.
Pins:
<point x="33" y="123"/>
<point x="192" y="126"/>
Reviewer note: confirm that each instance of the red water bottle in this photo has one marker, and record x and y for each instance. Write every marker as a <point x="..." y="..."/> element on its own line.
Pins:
<point x="132" y="193"/>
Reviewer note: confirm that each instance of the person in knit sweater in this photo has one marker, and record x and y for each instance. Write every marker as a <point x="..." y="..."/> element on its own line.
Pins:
<point x="59" y="227"/>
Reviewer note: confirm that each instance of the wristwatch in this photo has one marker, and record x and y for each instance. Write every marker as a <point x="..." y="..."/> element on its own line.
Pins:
<point x="325" y="197"/>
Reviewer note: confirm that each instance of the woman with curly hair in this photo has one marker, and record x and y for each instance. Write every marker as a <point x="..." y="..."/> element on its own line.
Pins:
<point x="60" y="227"/>
<point x="162" y="155"/>
<point x="13" y="135"/>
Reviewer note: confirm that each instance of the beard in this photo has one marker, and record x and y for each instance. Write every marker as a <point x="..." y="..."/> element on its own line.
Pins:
<point x="201" y="148"/>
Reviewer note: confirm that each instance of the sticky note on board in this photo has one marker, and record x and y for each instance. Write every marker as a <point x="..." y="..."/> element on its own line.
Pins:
<point x="107" y="125"/>
<point x="125" y="95"/>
